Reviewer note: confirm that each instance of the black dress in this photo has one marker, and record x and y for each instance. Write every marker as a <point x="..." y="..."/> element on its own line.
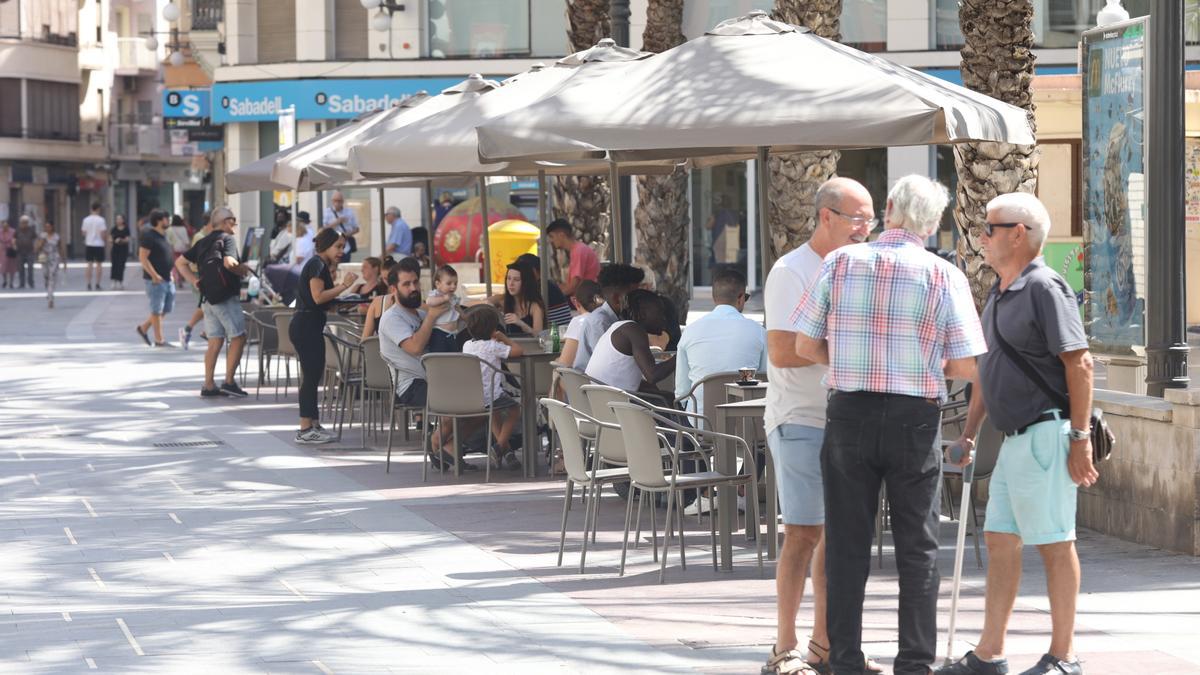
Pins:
<point x="120" y="252"/>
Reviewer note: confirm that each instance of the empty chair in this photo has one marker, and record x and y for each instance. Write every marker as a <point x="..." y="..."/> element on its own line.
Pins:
<point x="284" y="350"/>
<point x="987" y="451"/>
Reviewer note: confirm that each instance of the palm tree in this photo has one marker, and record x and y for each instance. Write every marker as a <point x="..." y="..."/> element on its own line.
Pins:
<point x="583" y="200"/>
<point x="794" y="178"/>
<point x="661" y="216"/>
<point x="997" y="60"/>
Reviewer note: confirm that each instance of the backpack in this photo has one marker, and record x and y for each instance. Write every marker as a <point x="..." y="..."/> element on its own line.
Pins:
<point x="217" y="284"/>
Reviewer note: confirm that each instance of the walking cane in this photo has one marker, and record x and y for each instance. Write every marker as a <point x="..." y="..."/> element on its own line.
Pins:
<point x="956" y="453"/>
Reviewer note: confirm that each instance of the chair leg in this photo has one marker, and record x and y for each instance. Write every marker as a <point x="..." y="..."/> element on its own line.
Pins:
<point x="487" y="444"/>
<point x="425" y="451"/>
<point x="654" y="525"/>
<point x="625" y="536"/>
<point x="590" y="499"/>
<point x="391" y="426"/>
<point x="712" y="538"/>
<point x="637" y="538"/>
<point x="662" y="570"/>
<point x="757" y="540"/>
<point x="596" y="510"/>
<point x="287" y="362"/>
<point x="362" y="396"/>
<point x="682" y="541"/>
<point x="562" y="532"/>
<point x="457" y="449"/>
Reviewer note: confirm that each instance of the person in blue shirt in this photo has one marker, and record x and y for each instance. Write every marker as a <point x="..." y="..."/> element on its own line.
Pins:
<point x="400" y="239"/>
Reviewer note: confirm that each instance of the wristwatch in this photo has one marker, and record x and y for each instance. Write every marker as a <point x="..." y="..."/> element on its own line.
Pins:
<point x="1079" y="434"/>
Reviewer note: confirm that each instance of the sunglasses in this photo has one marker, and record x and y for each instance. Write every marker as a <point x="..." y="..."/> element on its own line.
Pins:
<point x="989" y="228"/>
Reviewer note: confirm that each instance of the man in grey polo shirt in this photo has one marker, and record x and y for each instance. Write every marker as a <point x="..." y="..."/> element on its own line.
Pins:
<point x="1046" y="452"/>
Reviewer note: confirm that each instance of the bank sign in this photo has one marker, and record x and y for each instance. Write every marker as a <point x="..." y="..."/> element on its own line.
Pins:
<point x="314" y="99"/>
<point x="192" y="103"/>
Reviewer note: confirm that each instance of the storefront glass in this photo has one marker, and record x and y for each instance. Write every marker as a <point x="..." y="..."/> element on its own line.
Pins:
<point x="495" y="28"/>
<point x="864" y="22"/>
<point x="719" y="221"/>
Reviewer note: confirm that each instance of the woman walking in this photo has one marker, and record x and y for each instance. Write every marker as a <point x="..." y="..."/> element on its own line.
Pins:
<point x="26" y="240"/>
<point x="120" y="251"/>
<point x="8" y="254"/>
<point x="314" y="298"/>
<point x="51" y="252"/>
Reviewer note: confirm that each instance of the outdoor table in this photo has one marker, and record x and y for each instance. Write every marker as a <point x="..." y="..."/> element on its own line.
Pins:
<point x="526" y="368"/>
<point x="726" y="462"/>
<point x="738" y="392"/>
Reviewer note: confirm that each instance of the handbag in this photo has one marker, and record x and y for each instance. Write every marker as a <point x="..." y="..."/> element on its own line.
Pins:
<point x="10" y="252"/>
<point x="1103" y="439"/>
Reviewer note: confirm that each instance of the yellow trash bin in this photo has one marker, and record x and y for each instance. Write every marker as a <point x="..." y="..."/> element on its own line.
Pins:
<point x="509" y="239"/>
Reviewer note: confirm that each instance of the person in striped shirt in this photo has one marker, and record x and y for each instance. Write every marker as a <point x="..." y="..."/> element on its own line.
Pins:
<point x="893" y="322"/>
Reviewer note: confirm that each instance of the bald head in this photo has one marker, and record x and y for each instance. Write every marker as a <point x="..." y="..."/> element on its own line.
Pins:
<point x="845" y="213"/>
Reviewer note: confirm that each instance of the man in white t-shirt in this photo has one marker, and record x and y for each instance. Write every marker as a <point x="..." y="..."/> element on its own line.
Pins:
<point x="95" y="236"/>
<point x="795" y="419"/>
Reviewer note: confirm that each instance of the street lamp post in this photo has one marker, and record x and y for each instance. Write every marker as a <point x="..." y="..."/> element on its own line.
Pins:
<point x="621" y="188"/>
<point x="1167" y="348"/>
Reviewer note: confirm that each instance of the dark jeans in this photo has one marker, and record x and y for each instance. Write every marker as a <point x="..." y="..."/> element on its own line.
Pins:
<point x="873" y="439"/>
<point x="307" y="331"/>
<point x="441" y="342"/>
<point x="119" y="255"/>
<point x="25" y="268"/>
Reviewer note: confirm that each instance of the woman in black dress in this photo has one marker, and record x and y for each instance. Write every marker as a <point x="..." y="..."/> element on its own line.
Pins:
<point x="120" y="251"/>
<point x="314" y="298"/>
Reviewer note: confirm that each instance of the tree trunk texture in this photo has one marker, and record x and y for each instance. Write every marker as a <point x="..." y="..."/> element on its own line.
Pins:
<point x="997" y="60"/>
<point x="794" y="179"/>
<point x="661" y="216"/>
<point x="582" y="200"/>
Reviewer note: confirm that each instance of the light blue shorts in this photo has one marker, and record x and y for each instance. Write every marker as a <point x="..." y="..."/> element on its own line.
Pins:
<point x="1031" y="493"/>
<point x="224" y="319"/>
<point x="162" y="296"/>
<point x="796" y="450"/>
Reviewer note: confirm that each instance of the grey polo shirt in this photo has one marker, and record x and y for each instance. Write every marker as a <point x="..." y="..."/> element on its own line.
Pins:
<point x="396" y="325"/>
<point x="1038" y="316"/>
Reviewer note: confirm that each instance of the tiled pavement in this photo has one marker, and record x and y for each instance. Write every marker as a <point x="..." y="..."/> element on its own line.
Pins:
<point x="235" y="551"/>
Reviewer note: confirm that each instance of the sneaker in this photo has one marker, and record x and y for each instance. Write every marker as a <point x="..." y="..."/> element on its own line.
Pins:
<point x="701" y="505"/>
<point x="509" y="461"/>
<point x="970" y="664"/>
<point x="1052" y="664"/>
<point x="215" y="392"/>
<point x="185" y="336"/>
<point x="232" y="389"/>
<point x="741" y="503"/>
<point x="312" y="436"/>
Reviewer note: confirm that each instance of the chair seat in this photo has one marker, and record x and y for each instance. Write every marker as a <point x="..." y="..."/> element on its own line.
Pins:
<point x="704" y="478"/>
<point x="605" y="475"/>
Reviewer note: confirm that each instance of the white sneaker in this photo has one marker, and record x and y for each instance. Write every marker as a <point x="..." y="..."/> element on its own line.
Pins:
<point x="312" y="436"/>
<point x="741" y="503"/>
<point x="701" y="505"/>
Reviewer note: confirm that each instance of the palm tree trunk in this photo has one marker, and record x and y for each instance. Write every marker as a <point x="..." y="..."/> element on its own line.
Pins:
<point x="583" y="200"/>
<point x="794" y="179"/>
<point x="661" y="217"/>
<point x="997" y="60"/>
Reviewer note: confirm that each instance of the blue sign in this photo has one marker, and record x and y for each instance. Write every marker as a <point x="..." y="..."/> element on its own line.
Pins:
<point x="186" y="103"/>
<point x="314" y="99"/>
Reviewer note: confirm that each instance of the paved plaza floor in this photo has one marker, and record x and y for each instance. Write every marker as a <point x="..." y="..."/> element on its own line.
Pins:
<point x="145" y="529"/>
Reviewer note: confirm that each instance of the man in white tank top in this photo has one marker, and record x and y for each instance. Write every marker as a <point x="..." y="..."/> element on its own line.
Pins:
<point x="622" y="356"/>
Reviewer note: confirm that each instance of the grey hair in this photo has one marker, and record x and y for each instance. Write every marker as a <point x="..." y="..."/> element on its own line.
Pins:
<point x="393" y="210"/>
<point x="918" y="204"/>
<point x="1022" y="207"/>
<point x="219" y="215"/>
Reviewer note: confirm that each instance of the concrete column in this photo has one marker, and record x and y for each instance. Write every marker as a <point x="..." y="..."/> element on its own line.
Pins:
<point x="315" y="31"/>
<point x="241" y="147"/>
<point x="241" y="31"/>
<point x="908" y="25"/>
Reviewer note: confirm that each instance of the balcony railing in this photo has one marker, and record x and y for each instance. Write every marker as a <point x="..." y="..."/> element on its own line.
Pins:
<point x="137" y="139"/>
<point x="132" y="55"/>
<point x="206" y="14"/>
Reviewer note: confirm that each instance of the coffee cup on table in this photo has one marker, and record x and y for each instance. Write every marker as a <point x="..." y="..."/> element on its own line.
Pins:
<point x="747" y="374"/>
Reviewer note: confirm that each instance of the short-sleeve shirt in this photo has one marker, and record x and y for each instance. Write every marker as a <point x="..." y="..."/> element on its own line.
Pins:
<point x="575" y="328"/>
<point x="94" y="228"/>
<point x="594" y="326"/>
<point x="722" y="341"/>
<point x="558" y="308"/>
<point x="1038" y="317"/>
<point x="314" y="268"/>
<point x="401" y="236"/>
<point x="448" y="321"/>
<point x="161" y="255"/>
<point x="305" y="246"/>
<point x="796" y="395"/>
<point x="584" y="263"/>
<point x="491" y="352"/>
<point x="893" y="313"/>
<point x="396" y="325"/>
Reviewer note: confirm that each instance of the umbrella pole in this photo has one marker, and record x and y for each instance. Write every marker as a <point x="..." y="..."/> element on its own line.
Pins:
<point x="430" y="231"/>
<point x="764" y="233"/>
<point x="382" y="226"/>
<point x="959" y="546"/>
<point x="543" y="249"/>
<point x="614" y="215"/>
<point x="486" y="235"/>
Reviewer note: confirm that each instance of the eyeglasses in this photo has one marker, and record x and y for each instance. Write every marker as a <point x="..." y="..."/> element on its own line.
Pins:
<point x="989" y="228"/>
<point x="869" y="222"/>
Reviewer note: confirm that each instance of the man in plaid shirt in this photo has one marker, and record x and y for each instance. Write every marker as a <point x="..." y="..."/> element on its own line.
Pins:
<point x="893" y="321"/>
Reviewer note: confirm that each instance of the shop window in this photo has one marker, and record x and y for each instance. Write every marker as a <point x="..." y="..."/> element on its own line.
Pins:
<point x="10" y="106"/>
<point x="350" y="25"/>
<point x="869" y="167"/>
<point x="1057" y="23"/>
<point x="276" y="31"/>
<point x="864" y="24"/>
<point x="53" y="109"/>
<point x="719" y="221"/>
<point x="495" y="28"/>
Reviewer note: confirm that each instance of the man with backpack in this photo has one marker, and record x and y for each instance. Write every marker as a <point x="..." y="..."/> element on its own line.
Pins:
<point x="219" y="281"/>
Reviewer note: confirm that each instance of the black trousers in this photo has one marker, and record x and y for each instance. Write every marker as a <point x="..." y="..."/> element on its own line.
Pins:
<point x="872" y="440"/>
<point x="307" y="331"/>
<point x="120" y="254"/>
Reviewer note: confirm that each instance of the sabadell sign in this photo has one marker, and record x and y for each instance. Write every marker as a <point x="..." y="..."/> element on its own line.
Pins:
<point x="314" y="99"/>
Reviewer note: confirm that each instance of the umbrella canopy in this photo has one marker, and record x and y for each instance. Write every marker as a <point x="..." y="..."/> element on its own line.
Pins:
<point x="446" y="143"/>
<point x="749" y="83"/>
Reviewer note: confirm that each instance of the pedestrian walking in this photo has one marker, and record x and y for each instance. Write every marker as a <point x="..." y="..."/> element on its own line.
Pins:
<point x="314" y="298"/>
<point x="892" y="321"/>
<point x="1031" y="322"/>
<point x="51" y="252"/>
<point x="154" y="255"/>
<point x="95" y="237"/>
<point x="220" y="283"/>
<point x="25" y="240"/>
<point x="8" y="254"/>
<point x="795" y="424"/>
<point x="119" y="235"/>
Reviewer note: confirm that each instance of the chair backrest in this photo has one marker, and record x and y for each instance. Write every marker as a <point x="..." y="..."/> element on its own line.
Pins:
<point x="573" y="382"/>
<point x="712" y="393"/>
<point x="609" y="442"/>
<point x="642" y="444"/>
<point x="268" y="334"/>
<point x="565" y="423"/>
<point x="455" y="384"/>
<point x="375" y="369"/>
<point x="987" y="449"/>
<point x="283" y="320"/>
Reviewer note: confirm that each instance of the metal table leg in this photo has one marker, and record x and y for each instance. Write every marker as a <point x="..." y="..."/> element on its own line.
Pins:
<point x="726" y="495"/>
<point x="528" y="419"/>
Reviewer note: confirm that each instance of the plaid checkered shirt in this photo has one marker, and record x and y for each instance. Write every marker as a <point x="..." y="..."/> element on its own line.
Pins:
<point x="892" y="313"/>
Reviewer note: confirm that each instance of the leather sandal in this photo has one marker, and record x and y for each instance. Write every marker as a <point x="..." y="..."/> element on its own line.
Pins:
<point x="790" y="662"/>
<point x="822" y="665"/>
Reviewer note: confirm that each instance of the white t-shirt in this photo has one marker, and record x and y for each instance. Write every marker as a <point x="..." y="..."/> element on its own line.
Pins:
<point x="575" y="328"/>
<point x="591" y="329"/>
<point x="491" y="352"/>
<point x="305" y="246"/>
<point x="795" y="395"/>
<point x="448" y="322"/>
<point x="94" y="228"/>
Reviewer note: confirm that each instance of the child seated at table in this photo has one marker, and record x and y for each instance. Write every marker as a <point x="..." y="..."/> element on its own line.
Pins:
<point x="446" y="330"/>
<point x="492" y="346"/>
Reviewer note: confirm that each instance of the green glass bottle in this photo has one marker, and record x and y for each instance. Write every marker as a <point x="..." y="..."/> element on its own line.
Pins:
<point x="555" y="344"/>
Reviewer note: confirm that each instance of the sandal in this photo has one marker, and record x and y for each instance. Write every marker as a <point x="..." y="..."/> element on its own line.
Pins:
<point x="790" y="662"/>
<point x="822" y="665"/>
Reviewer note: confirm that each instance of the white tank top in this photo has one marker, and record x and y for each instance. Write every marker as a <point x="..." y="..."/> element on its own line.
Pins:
<point x="610" y="366"/>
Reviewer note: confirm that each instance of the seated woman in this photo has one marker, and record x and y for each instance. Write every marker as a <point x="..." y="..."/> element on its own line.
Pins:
<point x="524" y="311"/>
<point x="622" y="357"/>
<point x="371" y="283"/>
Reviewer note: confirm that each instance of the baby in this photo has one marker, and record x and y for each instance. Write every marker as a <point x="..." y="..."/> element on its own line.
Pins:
<point x="445" y="331"/>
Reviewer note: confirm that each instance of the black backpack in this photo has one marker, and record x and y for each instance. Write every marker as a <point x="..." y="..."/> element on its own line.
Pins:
<point x="217" y="284"/>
